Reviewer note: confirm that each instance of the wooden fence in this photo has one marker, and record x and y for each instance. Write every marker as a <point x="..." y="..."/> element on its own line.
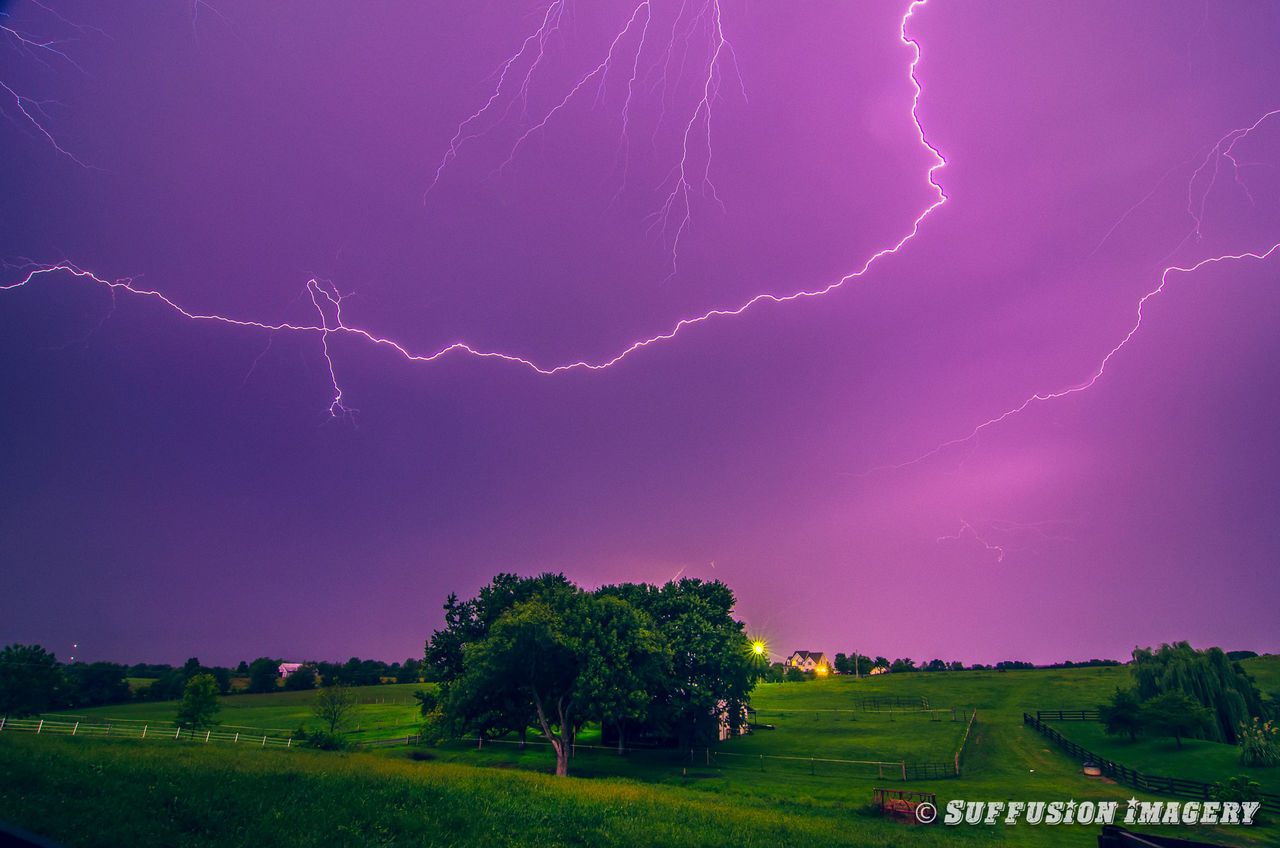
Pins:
<point x="1068" y="715"/>
<point x="1176" y="786"/>
<point x="813" y="766"/>
<point x="140" y="730"/>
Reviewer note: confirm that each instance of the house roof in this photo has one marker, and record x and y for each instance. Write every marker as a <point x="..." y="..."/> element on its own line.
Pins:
<point x="814" y="655"/>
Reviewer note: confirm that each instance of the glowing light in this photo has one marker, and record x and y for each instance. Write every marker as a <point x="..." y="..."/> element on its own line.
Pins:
<point x="758" y="648"/>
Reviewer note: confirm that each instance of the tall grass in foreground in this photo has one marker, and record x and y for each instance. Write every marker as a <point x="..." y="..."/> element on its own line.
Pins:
<point x="106" y="792"/>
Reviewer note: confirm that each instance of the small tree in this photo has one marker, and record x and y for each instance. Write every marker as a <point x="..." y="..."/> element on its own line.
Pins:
<point x="335" y="706"/>
<point x="1123" y="714"/>
<point x="1174" y="714"/>
<point x="199" y="706"/>
<point x="795" y="675"/>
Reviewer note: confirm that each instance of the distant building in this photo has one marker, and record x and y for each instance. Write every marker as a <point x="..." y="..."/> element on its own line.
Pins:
<point x="287" y="669"/>
<point x="814" y="661"/>
<point x="880" y="669"/>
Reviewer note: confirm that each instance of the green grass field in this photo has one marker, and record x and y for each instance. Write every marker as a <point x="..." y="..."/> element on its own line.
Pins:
<point x="383" y="712"/>
<point x="1197" y="759"/>
<point x="183" y="793"/>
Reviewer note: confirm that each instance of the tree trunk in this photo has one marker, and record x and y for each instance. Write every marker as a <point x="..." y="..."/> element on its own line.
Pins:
<point x="558" y="742"/>
<point x="622" y="727"/>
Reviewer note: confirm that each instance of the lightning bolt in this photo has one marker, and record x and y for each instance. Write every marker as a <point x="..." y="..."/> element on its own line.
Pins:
<point x="691" y="175"/>
<point x="967" y="528"/>
<point x="327" y="302"/>
<point x="679" y="200"/>
<point x="1206" y="174"/>
<point x="1012" y="530"/>
<point x="32" y="110"/>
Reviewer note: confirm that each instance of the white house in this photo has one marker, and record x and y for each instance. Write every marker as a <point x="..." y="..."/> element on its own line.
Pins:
<point x="815" y="661"/>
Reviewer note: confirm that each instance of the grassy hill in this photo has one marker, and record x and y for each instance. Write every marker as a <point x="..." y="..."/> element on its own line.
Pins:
<point x="166" y="792"/>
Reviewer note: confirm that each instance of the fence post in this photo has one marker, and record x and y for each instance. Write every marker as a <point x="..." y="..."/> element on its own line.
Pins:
<point x="957" y="763"/>
<point x="40" y="726"/>
<point x="144" y="731"/>
<point x="264" y="740"/>
<point x="904" y="771"/>
<point x="237" y="739"/>
<point x="2" y="720"/>
<point x="206" y="735"/>
<point x="762" y="762"/>
<point x="74" y="729"/>
<point x="289" y="743"/>
<point x="176" y="732"/>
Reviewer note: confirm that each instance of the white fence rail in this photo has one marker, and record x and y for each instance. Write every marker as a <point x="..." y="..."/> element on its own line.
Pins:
<point x="133" y="730"/>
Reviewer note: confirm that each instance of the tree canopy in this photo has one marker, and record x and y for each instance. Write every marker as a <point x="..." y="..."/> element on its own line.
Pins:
<point x="1207" y="677"/>
<point x="31" y="681"/>
<point x="540" y="651"/>
<point x="199" y="706"/>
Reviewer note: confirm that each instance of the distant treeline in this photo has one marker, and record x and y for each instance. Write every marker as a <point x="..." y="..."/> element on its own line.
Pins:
<point x="32" y="680"/>
<point x="862" y="664"/>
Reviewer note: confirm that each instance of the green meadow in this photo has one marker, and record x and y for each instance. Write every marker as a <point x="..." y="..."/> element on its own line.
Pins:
<point x="742" y="793"/>
<point x="383" y="712"/>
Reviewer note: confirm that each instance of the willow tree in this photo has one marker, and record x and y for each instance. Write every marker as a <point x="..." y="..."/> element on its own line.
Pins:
<point x="1208" y="678"/>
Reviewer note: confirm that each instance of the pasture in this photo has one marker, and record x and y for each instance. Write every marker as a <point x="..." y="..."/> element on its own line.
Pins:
<point x="460" y="794"/>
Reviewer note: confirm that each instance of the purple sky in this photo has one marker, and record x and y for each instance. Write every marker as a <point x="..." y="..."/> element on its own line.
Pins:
<point x="177" y="487"/>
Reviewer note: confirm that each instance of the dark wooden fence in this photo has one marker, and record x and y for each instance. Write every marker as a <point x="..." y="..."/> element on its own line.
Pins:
<point x="1068" y="715"/>
<point x="1176" y="786"/>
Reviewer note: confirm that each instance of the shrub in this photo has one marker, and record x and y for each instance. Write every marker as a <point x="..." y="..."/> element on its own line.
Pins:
<point x="326" y="741"/>
<point x="1259" y="743"/>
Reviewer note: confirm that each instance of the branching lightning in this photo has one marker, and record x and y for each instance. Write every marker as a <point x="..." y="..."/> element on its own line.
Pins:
<point x="690" y="176"/>
<point x="1206" y="174"/>
<point x="327" y="301"/>
<point x="1011" y="533"/>
<point x="33" y="111"/>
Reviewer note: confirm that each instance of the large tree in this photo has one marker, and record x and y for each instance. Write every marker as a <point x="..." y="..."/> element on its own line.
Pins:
<point x="1207" y="677"/>
<point x="467" y="622"/>
<point x="712" y="672"/>
<point x="557" y="659"/>
<point x="629" y="662"/>
<point x="539" y="651"/>
<point x="31" y="681"/>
